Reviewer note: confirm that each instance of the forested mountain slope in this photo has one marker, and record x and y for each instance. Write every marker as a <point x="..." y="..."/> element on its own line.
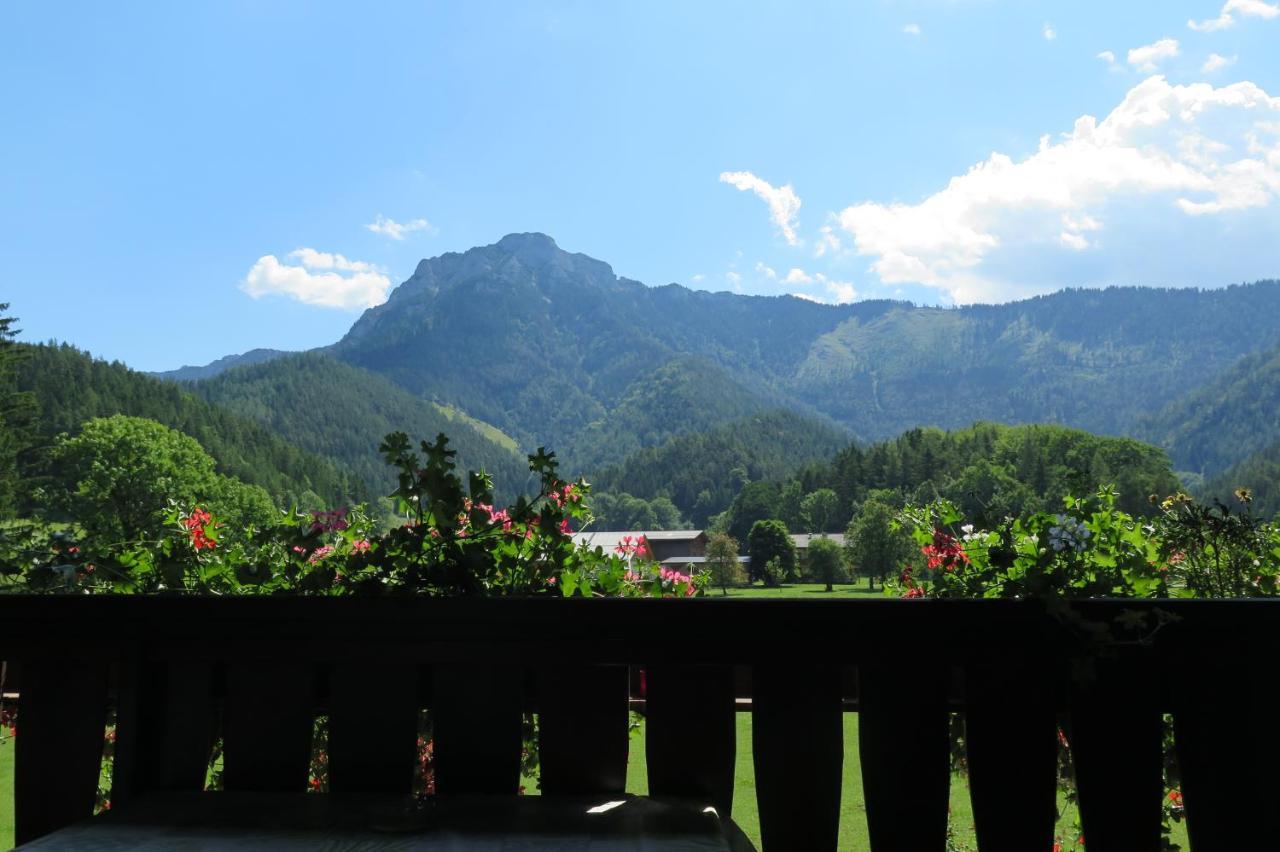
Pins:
<point x="1259" y="473"/>
<point x="990" y="470"/>
<point x="701" y="473"/>
<point x="71" y="387"/>
<point x="344" y="412"/>
<point x="1229" y="418"/>
<point x="1096" y="359"/>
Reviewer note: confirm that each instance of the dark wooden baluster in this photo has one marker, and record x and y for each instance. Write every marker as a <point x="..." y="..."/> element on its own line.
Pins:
<point x="798" y="744"/>
<point x="1223" y="791"/>
<point x="58" y="750"/>
<point x="690" y="733"/>
<point x="1011" y="738"/>
<point x="269" y="720"/>
<point x="373" y="727"/>
<point x="476" y="726"/>
<point x="582" y="723"/>
<point x="164" y="729"/>
<point x="905" y="749"/>
<point x="1115" y="736"/>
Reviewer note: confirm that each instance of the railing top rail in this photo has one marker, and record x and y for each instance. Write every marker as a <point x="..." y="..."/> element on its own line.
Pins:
<point x="709" y="630"/>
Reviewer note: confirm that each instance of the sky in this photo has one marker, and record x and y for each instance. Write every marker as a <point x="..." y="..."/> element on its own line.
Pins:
<point x="183" y="181"/>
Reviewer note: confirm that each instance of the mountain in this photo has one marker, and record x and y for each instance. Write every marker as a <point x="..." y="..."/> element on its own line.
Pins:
<point x="557" y="350"/>
<point x="1096" y="359"/>
<point x="343" y="413"/>
<point x="1222" y="422"/>
<point x="536" y="346"/>
<point x="71" y="387"/>
<point x="188" y="373"/>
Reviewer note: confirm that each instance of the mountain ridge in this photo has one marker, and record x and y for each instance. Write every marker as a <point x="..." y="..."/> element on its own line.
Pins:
<point x="554" y="349"/>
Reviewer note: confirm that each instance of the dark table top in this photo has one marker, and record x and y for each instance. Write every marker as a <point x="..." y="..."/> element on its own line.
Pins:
<point x="352" y="823"/>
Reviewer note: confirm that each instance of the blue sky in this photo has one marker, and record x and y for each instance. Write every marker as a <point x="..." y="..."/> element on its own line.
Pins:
<point x="183" y="181"/>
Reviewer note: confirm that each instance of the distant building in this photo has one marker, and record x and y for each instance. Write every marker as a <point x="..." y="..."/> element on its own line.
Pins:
<point x="670" y="547"/>
<point x="801" y="541"/>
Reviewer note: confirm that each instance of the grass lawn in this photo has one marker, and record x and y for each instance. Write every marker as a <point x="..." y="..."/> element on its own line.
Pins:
<point x="853" y="816"/>
<point x="802" y="590"/>
<point x="6" y="792"/>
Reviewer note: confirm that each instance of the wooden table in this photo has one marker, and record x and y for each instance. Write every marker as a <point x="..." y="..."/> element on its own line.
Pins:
<point x="357" y="823"/>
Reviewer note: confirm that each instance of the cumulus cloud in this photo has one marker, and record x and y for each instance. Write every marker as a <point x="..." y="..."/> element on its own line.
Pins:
<point x="1049" y="32"/>
<point x="396" y="230"/>
<point x="912" y="29"/>
<point x="1147" y="57"/>
<point x="1216" y="62"/>
<point x="318" y="278"/>
<point x="1226" y="18"/>
<point x="783" y="202"/>
<point x="1166" y="158"/>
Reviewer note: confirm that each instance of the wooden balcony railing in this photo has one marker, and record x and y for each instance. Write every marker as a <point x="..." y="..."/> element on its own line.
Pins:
<point x="267" y="666"/>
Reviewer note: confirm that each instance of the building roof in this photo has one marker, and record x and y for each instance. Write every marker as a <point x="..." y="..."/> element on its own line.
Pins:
<point x="802" y="540"/>
<point x="609" y="539"/>
<point x="696" y="560"/>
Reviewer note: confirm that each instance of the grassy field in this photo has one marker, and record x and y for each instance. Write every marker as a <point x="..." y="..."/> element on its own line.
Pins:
<point x="853" y="815"/>
<point x="6" y="793"/>
<point x="844" y="591"/>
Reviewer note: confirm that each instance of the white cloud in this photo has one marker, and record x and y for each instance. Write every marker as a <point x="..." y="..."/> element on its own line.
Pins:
<point x="1109" y="57"/>
<point x="396" y="230"/>
<point x="734" y="278"/>
<point x="767" y="271"/>
<point x="697" y="278"/>
<point x="783" y="202"/>
<point x="835" y="291"/>
<point x="1147" y="57"/>
<point x="806" y="297"/>
<point x="319" y="278"/>
<point x="827" y="241"/>
<point x="1166" y="158"/>
<point x="1049" y="32"/>
<point x="912" y="29"/>
<point x="1225" y="19"/>
<point x="841" y="291"/>
<point x="1216" y="62"/>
